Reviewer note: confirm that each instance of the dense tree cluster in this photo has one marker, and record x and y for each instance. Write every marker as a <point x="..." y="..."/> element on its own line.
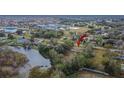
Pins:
<point x="48" y="34"/>
<point x="62" y="67"/>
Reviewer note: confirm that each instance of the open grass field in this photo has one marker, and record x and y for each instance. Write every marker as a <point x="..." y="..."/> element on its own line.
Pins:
<point x="78" y="30"/>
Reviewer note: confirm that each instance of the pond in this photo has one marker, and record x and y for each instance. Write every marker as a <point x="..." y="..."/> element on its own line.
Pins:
<point x="35" y="59"/>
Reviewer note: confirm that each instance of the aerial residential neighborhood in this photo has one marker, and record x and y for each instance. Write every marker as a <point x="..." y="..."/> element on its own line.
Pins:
<point x="63" y="46"/>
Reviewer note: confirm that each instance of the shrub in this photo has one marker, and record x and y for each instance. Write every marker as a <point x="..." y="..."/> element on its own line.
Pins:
<point x="44" y="50"/>
<point x="57" y="74"/>
<point x="69" y="43"/>
<point x="10" y="36"/>
<point x="2" y="35"/>
<point x="38" y="72"/>
<point x="113" y="68"/>
<point x="62" y="48"/>
<point x="49" y="34"/>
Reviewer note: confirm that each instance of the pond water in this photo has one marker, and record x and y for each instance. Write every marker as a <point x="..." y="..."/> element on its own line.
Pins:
<point x="35" y="59"/>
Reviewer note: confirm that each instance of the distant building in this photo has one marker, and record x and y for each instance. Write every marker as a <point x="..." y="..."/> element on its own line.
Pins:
<point x="10" y="29"/>
<point x="1" y="30"/>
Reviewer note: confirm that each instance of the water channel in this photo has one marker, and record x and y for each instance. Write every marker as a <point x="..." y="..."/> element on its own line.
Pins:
<point x="35" y="59"/>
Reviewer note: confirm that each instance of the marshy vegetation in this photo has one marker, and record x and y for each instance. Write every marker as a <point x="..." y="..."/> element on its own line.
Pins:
<point x="10" y="62"/>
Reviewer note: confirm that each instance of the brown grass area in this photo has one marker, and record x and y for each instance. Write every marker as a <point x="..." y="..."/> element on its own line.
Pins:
<point x="98" y="59"/>
<point x="86" y="74"/>
<point x="69" y="56"/>
<point x="79" y="30"/>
